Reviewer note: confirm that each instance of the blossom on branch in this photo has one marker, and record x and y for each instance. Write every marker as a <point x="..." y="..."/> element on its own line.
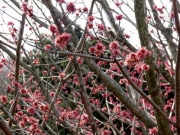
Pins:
<point x="61" y="40"/>
<point x="71" y="7"/>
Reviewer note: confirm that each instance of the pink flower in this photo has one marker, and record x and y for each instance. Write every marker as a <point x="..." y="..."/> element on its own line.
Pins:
<point x="172" y="14"/>
<point x="44" y="108"/>
<point x="35" y="104"/>
<point x="52" y="94"/>
<point x="53" y="29"/>
<point x="89" y="25"/>
<point x="119" y="17"/>
<point x="62" y="40"/>
<point x="85" y="9"/>
<point x="30" y="11"/>
<point x="132" y="59"/>
<point x="62" y="75"/>
<point x="73" y="114"/>
<point x="114" y="45"/>
<point x="116" y="52"/>
<point x="33" y="127"/>
<point x="100" y="47"/>
<point x="27" y="10"/>
<point x="22" y="124"/>
<point x="53" y="68"/>
<point x="9" y="89"/>
<point x="23" y="91"/>
<point x="44" y="72"/>
<point x="143" y="53"/>
<point x="145" y="67"/>
<point x="127" y="36"/>
<point x="90" y="18"/>
<point x="24" y="7"/>
<point x="10" y="23"/>
<point x="148" y="17"/>
<point x="47" y="47"/>
<point x="153" y="131"/>
<point x="117" y="108"/>
<point x="77" y="14"/>
<point x="84" y="120"/>
<point x="1" y="65"/>
<point x="160" y="10"/>
<point x="80" y="10"/>
<point x="123" y="81"/>
<point x="152" y="31"/>
<point x="155" y="6"/>
<point x="92" y="49"/>
<point x="106" y="132"/>
<point x="19" y="113"/>
<point x="45" y="117"/>
<point x="36" y="61"/>
<point x="3" y="99"/>
<point x="104" y="109"/>
<point x="15" y="83"/>
<point x="30" y="79"/>
<point x="101" y="27"/>
<point x="71" y="7"/>
<point x="79" y="60"/>
<point x="3" y="60"/>
<point x="31" y="110"/>
<point x="118" y="3"/>
<point x="82" y="123"/>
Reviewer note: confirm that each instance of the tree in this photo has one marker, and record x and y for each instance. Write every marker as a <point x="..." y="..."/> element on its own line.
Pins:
<point x="66" y="78"/>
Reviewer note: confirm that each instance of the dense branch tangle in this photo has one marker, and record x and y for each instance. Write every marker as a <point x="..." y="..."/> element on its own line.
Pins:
<point x="90" y="79"/>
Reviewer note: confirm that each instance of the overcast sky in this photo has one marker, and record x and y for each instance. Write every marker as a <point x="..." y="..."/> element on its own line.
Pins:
<point x="129" y="29"/>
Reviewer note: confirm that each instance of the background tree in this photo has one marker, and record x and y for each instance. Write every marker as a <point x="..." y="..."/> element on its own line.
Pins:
<point x="67" y="78"/>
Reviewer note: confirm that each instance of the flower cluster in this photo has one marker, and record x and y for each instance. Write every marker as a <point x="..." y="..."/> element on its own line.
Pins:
<point x="36" y="61"/>
<point x="98" y="88"/>
<point x="160" y="10"/>
<point x="68" y="114"/>
<point x="119" y="17"/>
<point x="141" y="66"/>
<point x="134" y="58"/>
<point x="80" y="60"/>
<point x="90" y="19"/>
<point x="169" y="69"/>
<point x="84" y="119"/>
<point x="101" y="27"/>
<point x="153" y="131"/>
<point x="61" y="40"/>
<point x="90" y="22"/>
<point x="26" y="9"/>
<point x="47" y="47"/>
<point x="71" y="7"/>
<point x="118" y="3"/>
<point x="61" y="75"/>
<point x="3" y="99"/>
<point x="123" y="81"/>
<point x="53" y="29"/>
<point x="106" y="132"/>
<point x="114" y="47"/>
<point x="85" y="9"/>
<point x="97" y="50"/>
<point x="114" y="67"/>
